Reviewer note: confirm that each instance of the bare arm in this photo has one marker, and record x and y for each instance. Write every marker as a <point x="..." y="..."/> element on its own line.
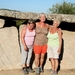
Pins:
<point x="60" y="40"/>
<point x="23" y="36"/>
<point x="49" y="26"/>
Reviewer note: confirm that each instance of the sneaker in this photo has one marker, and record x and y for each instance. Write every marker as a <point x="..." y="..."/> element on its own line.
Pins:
<point x="50" y="70"/>
<point x="41" y="69"/>
<point x="24" y="70"/>
<point x="38" y="71"/>
<point x="30" y="70"/>
<point x="54" y="73"/>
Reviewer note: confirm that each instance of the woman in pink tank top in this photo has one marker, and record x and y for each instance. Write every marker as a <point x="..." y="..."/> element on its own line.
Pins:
<point x="27" y="39"/>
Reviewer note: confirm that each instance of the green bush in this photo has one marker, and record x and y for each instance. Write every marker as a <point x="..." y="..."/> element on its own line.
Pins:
<point x="19" y="22"/>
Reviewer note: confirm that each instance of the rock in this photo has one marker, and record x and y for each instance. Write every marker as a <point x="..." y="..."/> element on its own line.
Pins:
<point x="20" y="29"/>
<point x="28" y="15"/>
<point x="69" y="50"/>
<point x="2" y="22"/>
<point x="10" y="57"/>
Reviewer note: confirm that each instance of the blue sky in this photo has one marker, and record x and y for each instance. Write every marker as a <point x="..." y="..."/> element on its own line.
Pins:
<point x="36" y="6"/>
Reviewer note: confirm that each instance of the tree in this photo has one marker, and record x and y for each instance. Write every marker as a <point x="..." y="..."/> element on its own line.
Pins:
<point x="63" y="8"/>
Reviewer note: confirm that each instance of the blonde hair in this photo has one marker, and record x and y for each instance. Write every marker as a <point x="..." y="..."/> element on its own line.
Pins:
<point x="58" y="21"/>
<point x="42" y="14"/>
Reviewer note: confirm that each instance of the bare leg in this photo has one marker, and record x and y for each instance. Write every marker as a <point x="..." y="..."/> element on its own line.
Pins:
<point x="42" y="59"/>
<point x="52" y="63"/>
<point x="56" y="64"/>
<point x="41" y="62"/>
<point x="37" y="56"/>
<point x="23" y="65"/>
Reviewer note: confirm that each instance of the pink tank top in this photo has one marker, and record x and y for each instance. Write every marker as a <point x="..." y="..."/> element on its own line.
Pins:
<point x="29" y="37"/>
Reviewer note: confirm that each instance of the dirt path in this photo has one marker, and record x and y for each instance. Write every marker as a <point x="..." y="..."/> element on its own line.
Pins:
<point x="19" y="72"/>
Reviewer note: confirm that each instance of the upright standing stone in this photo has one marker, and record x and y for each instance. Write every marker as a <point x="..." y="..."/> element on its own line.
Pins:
<point x="9" y="49"/>
<point x="2" y="23"/>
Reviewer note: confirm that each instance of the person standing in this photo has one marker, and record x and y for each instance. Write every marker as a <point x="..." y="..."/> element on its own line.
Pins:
<point x="54" y="45"/>
<point x="27" y="40"/>
<point x="40" y="42"/>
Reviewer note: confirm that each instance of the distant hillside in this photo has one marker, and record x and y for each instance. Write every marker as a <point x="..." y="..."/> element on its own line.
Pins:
<point x="9" y="9"/>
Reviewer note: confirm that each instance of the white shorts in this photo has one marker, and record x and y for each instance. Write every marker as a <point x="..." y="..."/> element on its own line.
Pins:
<point x="52" y="52"/>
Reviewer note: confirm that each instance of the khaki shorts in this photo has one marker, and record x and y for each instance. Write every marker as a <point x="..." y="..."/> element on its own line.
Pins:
<point x="52" y="52"/>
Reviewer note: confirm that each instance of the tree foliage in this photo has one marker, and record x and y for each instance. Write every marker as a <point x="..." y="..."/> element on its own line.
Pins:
<point x="19" y="22"/>
<point x="63" y="8"/>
